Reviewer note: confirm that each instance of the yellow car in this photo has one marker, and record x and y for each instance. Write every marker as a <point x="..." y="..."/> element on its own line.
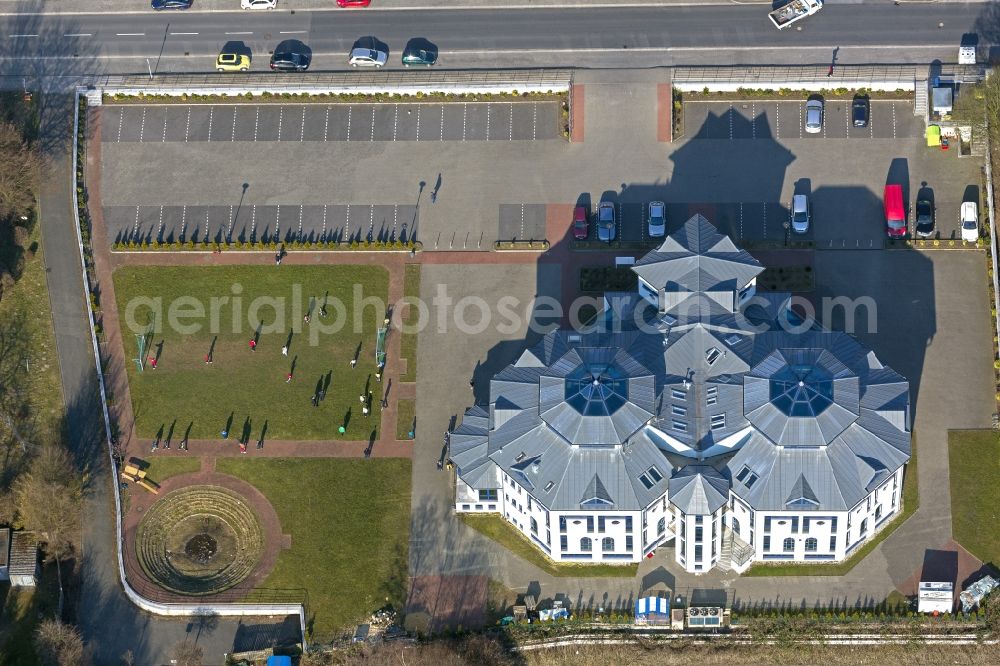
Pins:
<point x="232" y="62"/>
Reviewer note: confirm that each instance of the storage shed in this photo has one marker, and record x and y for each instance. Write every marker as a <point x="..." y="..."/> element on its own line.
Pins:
<point x="936" y="598"/>
<point x="23" y="564"/>
<point x="4" y="553"/>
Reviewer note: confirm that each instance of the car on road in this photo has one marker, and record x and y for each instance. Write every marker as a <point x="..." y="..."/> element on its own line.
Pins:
<point x="353" y="3"/>
<point x="800" y="213"/>
<point x="160" y="5"/>
<point x="289" y="56"/>
<point x="925" y="218"/>
<point x="895" y="212"/>
<point x="657" y="219"/>
<point x="969" y="216"/>
<point x="419" y="56"/>
<point x="232" y="62"/>
<point x="860" y="109"/>
<point x="581" y="224"/>
<point x="606" y="221"/>
<point x="258" y="4"/>
<point x="367" y="57"/>
<point x="814" y="116"/>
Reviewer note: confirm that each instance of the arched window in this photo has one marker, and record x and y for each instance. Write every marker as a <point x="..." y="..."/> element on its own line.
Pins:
<point x="736" y="526"/>
<point x="789" y="545"/>
<point x="607" y="543"/>
<point x="534" y="526"/>
<point x="661" y="526"/>
<point x="811" y="544"/>
<point x="586" y="545"/>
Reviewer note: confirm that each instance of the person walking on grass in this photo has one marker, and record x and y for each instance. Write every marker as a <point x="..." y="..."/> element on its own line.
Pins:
<point x="253" y="345"/>
<point x="284" y="350"/>
<point x="354" y="362"/>
<point x="152" y="362"/>
<point x="288" y="379"/>
<point x="208" y="359"/>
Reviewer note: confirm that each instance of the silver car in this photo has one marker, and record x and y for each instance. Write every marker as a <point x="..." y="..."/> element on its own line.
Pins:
<point x="657" y="219"/>
<point x="606" y="222"/>
<point x="814" y="116"/>
<point x="363" y="57"/>
<point x="800" y="213"/>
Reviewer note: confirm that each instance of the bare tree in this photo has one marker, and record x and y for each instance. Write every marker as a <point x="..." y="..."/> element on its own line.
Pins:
<point x="20" y="167"/>
<point x="59" y="644"/>
<point x="128" y="658"/>
<point x="188" y="654"/>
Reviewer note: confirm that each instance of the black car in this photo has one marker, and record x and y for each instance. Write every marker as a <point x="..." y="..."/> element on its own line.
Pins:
<point x="859" y="111"/>
<point x="419" y="52"/>
<point x="170" y="4"/>
<point x="925" y="218"/>
<point x="289" y="61"/>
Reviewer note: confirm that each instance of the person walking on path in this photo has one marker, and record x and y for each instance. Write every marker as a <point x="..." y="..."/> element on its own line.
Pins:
<point x="284" y="350"/>
<point x="243" y="447"/>
<point x="277" y="258"/>
<point x="253" y="345"/>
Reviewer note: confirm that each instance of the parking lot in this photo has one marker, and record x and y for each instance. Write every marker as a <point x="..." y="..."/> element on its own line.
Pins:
<point x="456" y="121"/>
<point x="889" y="119"/>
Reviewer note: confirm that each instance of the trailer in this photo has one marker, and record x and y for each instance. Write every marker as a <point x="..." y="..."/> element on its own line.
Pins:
<point x="935" y="598"/>
<point x="784" y="16"/>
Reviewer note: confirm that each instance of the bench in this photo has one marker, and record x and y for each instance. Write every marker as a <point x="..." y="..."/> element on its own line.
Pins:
<point x="149" y="485"/>
<point x="128" y="477"/>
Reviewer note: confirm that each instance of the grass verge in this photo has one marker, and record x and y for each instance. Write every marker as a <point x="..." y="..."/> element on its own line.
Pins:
<point x="408" y="342"/>
<point x="496" y="528"/>
<point x="974" y="470"/>
<point x="161" y="469"/>
<point x="911" y="500"/>
<point x="405" y="418"/>
<point x="221" y="308"/>
<point x="349" y="522"/>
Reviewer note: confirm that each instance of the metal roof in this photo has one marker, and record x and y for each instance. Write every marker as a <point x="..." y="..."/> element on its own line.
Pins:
<point x="698" y="489"/>
<point x="23" y="553"/>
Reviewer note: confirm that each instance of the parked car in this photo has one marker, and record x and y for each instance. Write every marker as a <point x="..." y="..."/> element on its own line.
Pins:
<point x="800" y="213"/>
<point x="969" y="216"/>
<point x="860" y="109"/>
<point x="657" y="219"/>
<point x="368" y="57"/>
<point x="606" y="221"/>
<point x="232" y="62"/>
<point x="421" y="54"/>
<point x="581" y="227"/>
<point x="258" y="4"/>
<point x="289" y="58"/>
<point x="895" y="212"/>
<point x="925" y="218"/>
<point x="160" y="5"/>
<point x="814" y="116"/>
<point x="353" y="3"/>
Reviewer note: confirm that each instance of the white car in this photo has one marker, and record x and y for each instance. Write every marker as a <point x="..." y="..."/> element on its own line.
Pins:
<point x="363" y="57"/>
<point x="814" y="116"/>
<point x="657" y="219"/>
<point x="800" y="213"/>
<point x="259" y="4"/>
<point x="970" y="221"/>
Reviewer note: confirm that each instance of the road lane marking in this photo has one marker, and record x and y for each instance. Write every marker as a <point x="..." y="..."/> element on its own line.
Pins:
<point x="239" y="33"/>
<point x="79" y="34"/>
<point x="22" y="36"/>
<point x="127" y="34"/>
<point x="292" y="32"/>
<point x="183" y="33"/>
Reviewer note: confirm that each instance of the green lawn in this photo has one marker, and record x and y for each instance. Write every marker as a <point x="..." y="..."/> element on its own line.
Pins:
<point x="911" y="500"/>
<point x="161" y="469"/>
<point x="405" y="418"/>
<point x="499" y="530"/>
<point x="974" y="470"/>
<point x="408" y="343"/>
<point x="243" y="388"/>
<point x="349" y="520"/>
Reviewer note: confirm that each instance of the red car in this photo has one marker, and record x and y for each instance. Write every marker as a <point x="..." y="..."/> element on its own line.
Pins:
<point x="895" y="213"/>
<point x="581" y="228"/>
<point x="353" y="3"/>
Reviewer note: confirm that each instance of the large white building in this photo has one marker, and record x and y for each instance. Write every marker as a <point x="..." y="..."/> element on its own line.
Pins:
<point x="696" y="412"/>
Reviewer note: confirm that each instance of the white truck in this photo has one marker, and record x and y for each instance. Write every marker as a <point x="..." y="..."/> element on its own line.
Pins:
<point x="784" y="16"/>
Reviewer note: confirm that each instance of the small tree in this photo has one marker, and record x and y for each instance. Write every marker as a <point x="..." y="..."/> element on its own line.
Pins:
<point x="20" y="167"/>
<point x="59" y="644"/>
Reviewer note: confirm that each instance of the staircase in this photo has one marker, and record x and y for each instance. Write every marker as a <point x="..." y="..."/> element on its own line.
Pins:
<point x="920" y="98"/>
<point x="726" y="556"/>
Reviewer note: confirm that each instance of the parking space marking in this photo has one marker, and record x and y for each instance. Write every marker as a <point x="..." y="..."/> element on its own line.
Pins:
<point x="121" y="119"/>
<point x="373" y="122"/>
<point x="206" y="224"/>
<point x="753" y="120"/>
<point x="349" y="110"/>
<point x="418" y="122"/>
<point x="234" y="123"/>
<point x="510" y="136"/>
<point x="893" y="120"/>
<point x="765" y="220"/>
<point x="642" y="223"/>
<point x="164" y="139"/>
<point x="741" y="220"/>
<point x="347" y="223"/>
<point x="300" y="223"/>
<point x="534" y="121"/>
<point x="326" y="131"/>
<point x="183" y="222"/>
<point x="871" y="125"/>
<point x="322" y="233"/>
<point x="442" y="122"/>
<point x="522" y="221"/>
<point x="229" y="230"/>
<point x="824" y="128"/>
<point x="465" y="116"/>
<point x="253" y="222"/>
<point x="159" y="226"/>
<point x="135" y="229"/>
<point x="371" y="220"/>
<point x="488" y="122"/>
<point x="732" y="113"/>
<point x="801" y="120"/>
<point x="395" y="218"/>
<point x="395" y="121"/>
<point x="256" y="123"/>
<point x="277" y="219"/>
<point x="187" y="127"/>
<point x="281" y="115"/>
<point x="142" y="124"/>
<point x="302" y="135"/>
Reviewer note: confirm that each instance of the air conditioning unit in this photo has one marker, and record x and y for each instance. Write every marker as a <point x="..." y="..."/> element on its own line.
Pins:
<point x="704" y="616"/>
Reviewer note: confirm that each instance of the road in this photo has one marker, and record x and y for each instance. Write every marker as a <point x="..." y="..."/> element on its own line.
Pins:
<point x="33" y="45"/>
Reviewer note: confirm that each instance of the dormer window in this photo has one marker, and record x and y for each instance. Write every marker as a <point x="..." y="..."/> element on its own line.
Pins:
<point x="520" y="456"/>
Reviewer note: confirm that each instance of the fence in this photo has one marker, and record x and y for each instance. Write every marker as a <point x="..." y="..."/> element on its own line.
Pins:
<point x="993" y="230"/>
<point x="152" y="606"/>
<point x="806" y="77"/>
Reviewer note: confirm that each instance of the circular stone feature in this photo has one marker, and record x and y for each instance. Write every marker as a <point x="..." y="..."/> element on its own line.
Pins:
<point x="199" y="540"/>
